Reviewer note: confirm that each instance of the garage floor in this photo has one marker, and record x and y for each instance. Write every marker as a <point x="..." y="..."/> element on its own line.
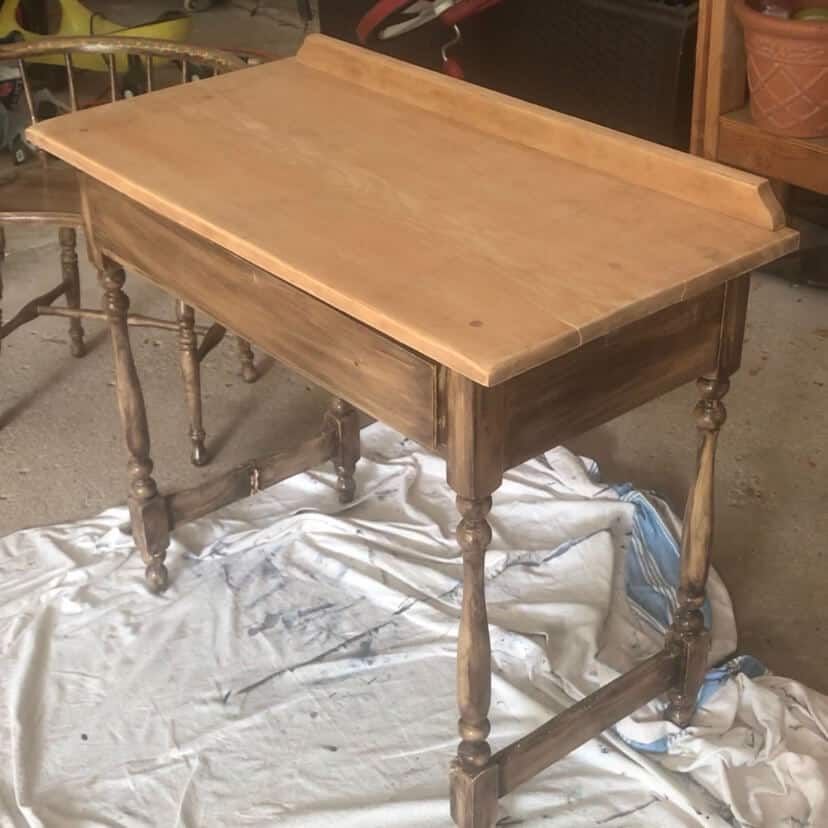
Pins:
<point x="62" y="455"/>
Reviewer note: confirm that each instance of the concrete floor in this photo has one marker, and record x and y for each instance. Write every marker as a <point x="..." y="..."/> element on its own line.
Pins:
<point x="62" y="456"/>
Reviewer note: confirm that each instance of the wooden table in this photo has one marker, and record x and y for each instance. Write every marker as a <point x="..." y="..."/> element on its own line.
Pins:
<point x="486" y="276"/>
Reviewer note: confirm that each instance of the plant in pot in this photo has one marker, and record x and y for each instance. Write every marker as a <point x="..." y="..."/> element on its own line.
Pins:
<point x="787" y="51"/>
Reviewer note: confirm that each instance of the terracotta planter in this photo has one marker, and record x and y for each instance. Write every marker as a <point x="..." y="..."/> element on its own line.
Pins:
<point x="787" y="70"/>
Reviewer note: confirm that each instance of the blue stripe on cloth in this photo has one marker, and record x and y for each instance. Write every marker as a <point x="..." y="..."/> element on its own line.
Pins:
<point x="652" y="565"/>
<point x="652" y="577"/>
<point x="661" y="745"/>
<point x="719" y="676"/>
<point x="713" y="682"/>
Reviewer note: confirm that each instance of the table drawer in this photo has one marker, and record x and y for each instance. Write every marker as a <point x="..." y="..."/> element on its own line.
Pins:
<point x="349" y="359"/>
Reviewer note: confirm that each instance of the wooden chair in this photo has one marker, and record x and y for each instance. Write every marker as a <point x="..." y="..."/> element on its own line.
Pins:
<point x="44" y="190"/>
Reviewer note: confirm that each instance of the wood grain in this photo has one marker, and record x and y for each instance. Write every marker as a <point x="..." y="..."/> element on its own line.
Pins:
<point x="473" y="796"/>
<point x="725" y="69"/>
<point x="379" y="376"/>
<point x="699" y="113"/>
<point x="146" y="506"/>
<point x="687" y="633"/>
<point x="474" y="654"/>
<point x="734" y="318"/>
<point x="476" y="427"/>
<point x="474" y="464"/>
<point x="246" y="480"/>
<point x="800" y="161"/>
<point x="611" y="375"/>
<point x="518" y="256"/>
<point x="583" y="721"/>
<point x="622" y="156"/>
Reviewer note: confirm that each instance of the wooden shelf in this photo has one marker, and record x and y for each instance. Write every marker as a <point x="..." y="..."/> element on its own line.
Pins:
<point x="801" y="161"/>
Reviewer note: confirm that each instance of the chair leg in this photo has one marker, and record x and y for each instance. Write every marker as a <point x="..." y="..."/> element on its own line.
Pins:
<point x="147" y="509"/>
<point x="688" y="633"/>
<point x="71" y="277"/>
<point x="248" y="367"/>
<point x="191" y="373"/>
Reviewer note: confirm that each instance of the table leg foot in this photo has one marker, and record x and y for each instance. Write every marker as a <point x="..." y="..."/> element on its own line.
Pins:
<point x="688" y="634"/>
<point x="473" y="796"/>
<point x="157" y="577"/>
<point x="693" y="643"/>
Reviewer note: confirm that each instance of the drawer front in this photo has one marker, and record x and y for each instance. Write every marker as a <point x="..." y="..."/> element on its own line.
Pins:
<point x="330" y="348"/>
<point x="616" y="373"/>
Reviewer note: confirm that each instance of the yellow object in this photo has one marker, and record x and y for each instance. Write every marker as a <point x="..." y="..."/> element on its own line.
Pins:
<point x="76" y="20"/>
<point x="812" y="14"/>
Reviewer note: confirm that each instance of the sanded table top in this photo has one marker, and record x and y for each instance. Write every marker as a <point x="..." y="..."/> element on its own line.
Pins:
<point x="448" y="217"/>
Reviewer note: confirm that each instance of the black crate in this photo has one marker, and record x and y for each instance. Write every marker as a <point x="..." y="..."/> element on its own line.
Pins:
<point x="627" y="64"/>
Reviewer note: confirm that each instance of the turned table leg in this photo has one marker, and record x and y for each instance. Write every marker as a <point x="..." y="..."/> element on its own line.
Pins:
<point x="345" y="419"/>
<point x="475" y="417"/>
<point x="473" y="782"/>
<point x="71" y="277"/>
<point x="150" y="524"/>
<point x="688" y="632"/>
<point x="191" y="374"/>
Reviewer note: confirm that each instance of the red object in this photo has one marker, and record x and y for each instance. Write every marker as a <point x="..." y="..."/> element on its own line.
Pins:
<point x="453" y="68"/>
<point x="456" y="14"/>
<point x="377" y="15"/>
<point x="465" y="9"/>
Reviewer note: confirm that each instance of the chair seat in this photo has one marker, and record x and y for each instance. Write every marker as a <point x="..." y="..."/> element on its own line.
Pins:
<point x="34" y="192"/>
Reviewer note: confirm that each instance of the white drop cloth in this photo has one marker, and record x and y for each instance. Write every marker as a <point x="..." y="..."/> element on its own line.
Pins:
<point x="300" y="669"/>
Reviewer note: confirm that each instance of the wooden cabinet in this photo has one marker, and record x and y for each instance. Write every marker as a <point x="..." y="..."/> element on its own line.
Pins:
<point x="723" y="129"/>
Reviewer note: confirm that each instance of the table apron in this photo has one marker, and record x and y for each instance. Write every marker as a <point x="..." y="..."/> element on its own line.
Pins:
<point x="616" y="373"/>
<point x="349" y="359"/>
